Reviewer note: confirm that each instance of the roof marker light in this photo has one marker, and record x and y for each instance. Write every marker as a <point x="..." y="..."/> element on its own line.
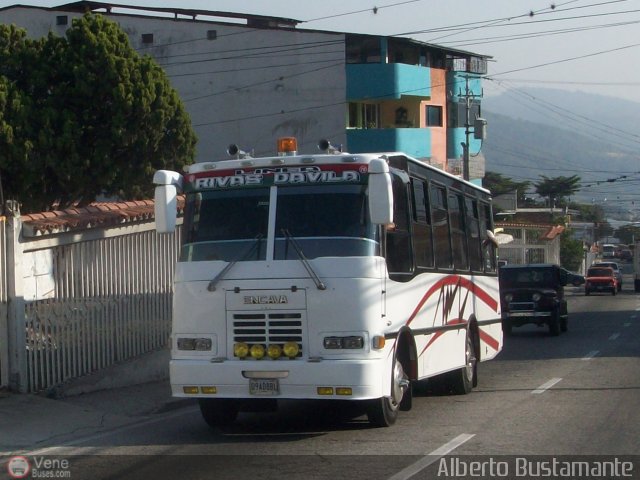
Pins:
<point x="287" y="146"/>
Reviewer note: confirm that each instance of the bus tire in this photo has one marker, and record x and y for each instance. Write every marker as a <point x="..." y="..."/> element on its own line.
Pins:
<point x="463" y="380"/>
<point x="219" y="412"/>
<point x="383" y="412"/>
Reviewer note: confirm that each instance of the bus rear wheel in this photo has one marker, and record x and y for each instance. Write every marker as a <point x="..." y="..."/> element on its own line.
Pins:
<point x="383" y="412"/>
<point x="464" y="379"/>
<point x="219" y="412"/>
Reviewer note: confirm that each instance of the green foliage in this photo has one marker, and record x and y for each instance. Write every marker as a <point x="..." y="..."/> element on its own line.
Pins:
<point x="498" y="184"/>
<point x="85" y="116"/>
<point x="558" y="188"/>
<point x="571" y="251"/>
<point x="628" y="234"/>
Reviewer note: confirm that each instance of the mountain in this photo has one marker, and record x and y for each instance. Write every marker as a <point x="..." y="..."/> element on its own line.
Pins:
<point x="554" y="133"/>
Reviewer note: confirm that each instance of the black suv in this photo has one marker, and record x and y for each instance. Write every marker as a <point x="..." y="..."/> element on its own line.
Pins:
<point x="533" y="293"/>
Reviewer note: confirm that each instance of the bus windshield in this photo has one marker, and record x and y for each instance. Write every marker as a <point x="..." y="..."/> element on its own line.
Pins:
<point x="324" y="220"/>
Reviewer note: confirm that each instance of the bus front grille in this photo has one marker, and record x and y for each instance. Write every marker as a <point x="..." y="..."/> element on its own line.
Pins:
<point x="268" y="329"/>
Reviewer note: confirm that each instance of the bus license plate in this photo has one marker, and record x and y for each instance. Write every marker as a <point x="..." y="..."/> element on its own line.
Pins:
<point x="264" y="386"/>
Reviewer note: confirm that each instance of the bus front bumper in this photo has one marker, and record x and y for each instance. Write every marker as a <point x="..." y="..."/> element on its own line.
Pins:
<point x="294" y="379"/>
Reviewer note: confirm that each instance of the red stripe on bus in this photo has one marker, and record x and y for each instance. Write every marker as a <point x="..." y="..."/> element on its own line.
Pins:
<point x="455" y="280"/>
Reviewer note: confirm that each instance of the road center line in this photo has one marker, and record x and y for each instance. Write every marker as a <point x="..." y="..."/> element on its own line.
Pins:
<point x="591" y="354"/>
<point x="628" y="324"/>
<point x="546" y="386"/>
<point x="432" y="457"/>
<point x="614" y="336"/>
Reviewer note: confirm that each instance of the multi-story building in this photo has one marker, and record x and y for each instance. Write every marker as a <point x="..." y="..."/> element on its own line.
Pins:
<point x="248" y="79"/>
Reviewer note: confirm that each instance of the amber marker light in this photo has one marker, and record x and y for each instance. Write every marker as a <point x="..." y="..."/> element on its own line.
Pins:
<point x="190" y="390"/>
<point x="378" y="342"/>
<point x="209" y="390"/>
<point x="325" y="390"/>
<point x="344" y="391"/>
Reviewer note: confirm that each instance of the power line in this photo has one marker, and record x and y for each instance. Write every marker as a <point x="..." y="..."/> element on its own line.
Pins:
<point x="370" y="10"/>
<point x="570" y="59"/>
<point x="524" y="36"/>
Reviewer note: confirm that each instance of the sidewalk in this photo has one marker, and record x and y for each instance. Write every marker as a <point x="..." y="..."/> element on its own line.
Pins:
<point x="114" y="397"/>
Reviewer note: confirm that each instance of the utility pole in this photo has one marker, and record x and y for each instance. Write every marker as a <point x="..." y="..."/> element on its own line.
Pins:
<point x="465" y="145"/>
<point x="479" y="131"/>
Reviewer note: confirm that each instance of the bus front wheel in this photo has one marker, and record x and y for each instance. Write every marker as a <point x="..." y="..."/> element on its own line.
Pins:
<point x="383" y="412"/>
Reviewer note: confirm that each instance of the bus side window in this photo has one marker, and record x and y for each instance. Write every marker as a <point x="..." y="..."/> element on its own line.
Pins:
<point x="488" y="247"/>
<point x="458" y="231"/>
<point x="475" y="244"/>
<point x="441" y="236"/>
<point x="399" y="252"/>
<point x="421" y="227"/>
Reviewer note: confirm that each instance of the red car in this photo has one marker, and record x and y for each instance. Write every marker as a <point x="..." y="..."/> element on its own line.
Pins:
<point x="600" y="279"/>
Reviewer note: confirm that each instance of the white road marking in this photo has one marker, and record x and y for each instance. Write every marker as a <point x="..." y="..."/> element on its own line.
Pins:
<point x="614" y="336"/>
<point x="628" y="324"/>
<point x="432" y="457"/>
<point x="546" y="386"/>
<point x="591" y="354"/>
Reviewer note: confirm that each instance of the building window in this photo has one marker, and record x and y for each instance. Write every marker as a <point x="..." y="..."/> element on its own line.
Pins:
<point x="363" y="49"/>
<point x="147" y="38"/>
<point x="434" y="116"/>
<point x="363" y="115"/>
<point x="62" y="20"/>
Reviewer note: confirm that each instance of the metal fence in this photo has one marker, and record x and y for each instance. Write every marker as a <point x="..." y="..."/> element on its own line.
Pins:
<point x="83" y="301"/>
<point x="4" y="340"/>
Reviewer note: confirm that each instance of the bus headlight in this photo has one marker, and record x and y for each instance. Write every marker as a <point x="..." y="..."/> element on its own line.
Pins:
<point x="274" y="351"/>
<point x="291" y="349"/>
<point x="195" y="344"/>
<point x="346" y="343"/>
<point x="241" y="350"/>
<point x="257" y="351"/>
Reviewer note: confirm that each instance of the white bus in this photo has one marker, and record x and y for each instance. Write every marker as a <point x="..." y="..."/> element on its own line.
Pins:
<point x="327" y="276"/>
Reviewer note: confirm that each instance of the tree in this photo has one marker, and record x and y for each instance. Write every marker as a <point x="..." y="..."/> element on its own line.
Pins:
<point x="85" y="116"/>
<point x="628" y="234"/>
<point x="557" y="188"/>
<point x="498" y="184"/>
<point x="571" y="251"/>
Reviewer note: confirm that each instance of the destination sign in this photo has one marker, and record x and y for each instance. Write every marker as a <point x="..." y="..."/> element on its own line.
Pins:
<point x="316" y="174"/>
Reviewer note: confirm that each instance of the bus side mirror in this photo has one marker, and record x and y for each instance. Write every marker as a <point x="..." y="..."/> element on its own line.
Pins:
<point x="165" y="200"/>
<point x="380" y="193"/>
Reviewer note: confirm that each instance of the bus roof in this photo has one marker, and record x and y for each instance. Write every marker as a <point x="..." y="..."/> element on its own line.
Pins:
<point x="315" y="159"/>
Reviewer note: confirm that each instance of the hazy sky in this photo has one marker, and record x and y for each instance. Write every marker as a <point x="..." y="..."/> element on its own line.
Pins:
<point x="588" y="45"/>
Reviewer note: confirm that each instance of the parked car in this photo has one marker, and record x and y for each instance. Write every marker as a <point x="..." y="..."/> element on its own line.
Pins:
<point x="600" y="279"/>
<point x="574" y="279"/>
<point x="616" y="270"/>
<point x="533" y="293"/>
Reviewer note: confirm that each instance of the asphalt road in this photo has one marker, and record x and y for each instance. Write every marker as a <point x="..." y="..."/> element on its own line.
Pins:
<point x="576" y="394"/>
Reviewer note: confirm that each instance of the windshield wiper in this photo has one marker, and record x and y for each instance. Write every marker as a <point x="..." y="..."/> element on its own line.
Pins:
<point x="303" y="259"/>
<point x="246" y="254"/>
